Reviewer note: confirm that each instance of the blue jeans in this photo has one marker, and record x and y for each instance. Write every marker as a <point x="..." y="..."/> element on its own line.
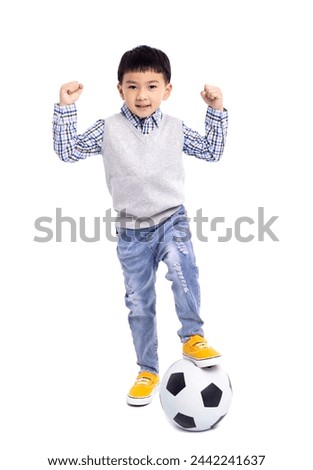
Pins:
<point x="140" y="251"/>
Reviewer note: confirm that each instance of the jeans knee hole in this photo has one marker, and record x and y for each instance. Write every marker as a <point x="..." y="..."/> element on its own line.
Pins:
<point x="182" y="248"/>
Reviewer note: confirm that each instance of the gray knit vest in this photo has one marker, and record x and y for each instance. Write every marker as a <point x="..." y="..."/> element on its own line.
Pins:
<point x="144" y="172"/>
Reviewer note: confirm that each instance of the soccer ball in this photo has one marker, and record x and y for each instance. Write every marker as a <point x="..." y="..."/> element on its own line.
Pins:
<point x="195" y="398"/>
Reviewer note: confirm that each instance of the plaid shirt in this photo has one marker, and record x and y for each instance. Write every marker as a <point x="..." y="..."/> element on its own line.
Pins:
<point x="71" y="147"/>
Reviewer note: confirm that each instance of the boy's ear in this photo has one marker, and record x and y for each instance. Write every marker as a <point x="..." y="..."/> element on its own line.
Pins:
<point x="168" y="90"/>
<point x="120" y="90"/>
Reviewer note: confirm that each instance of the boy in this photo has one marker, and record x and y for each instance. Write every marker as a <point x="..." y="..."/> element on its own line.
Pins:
<point x="142" y="153"/>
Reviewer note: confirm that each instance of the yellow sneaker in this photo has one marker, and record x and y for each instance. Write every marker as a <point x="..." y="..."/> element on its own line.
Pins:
<point x="196" y="349"/>
<point x="143" y="389"/>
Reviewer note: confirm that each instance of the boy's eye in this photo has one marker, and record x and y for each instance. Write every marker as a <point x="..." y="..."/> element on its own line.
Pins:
<point x="132" y="87"/>
<point x="152" y="87"/>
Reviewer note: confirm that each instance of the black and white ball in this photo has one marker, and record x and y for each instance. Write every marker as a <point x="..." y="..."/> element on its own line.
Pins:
<point x="195" y="398"/>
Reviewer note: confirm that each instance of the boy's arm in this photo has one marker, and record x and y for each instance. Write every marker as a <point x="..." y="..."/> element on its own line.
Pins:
<point x="69" y="146"/>
<point x="211" y="146"/>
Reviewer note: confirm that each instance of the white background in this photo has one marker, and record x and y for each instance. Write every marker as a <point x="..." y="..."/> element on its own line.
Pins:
<point x="66" y="355"/>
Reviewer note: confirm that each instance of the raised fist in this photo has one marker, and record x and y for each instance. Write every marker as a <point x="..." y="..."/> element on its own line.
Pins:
<point x="212" y="95"/>
<point x="70" y="92"/>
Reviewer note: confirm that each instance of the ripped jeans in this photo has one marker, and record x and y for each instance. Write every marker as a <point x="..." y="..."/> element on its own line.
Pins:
<point x="140" y="251"/>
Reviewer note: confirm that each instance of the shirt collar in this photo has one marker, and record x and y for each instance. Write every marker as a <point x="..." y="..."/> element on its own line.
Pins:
<point x="155" y="118"/>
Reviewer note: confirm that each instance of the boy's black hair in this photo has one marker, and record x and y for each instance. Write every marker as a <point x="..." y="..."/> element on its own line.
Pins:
<point x="142" y="59"/>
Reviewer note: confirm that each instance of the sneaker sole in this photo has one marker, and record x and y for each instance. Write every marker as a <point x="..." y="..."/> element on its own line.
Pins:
<point x="141" y="401"/>
<point x="212" y="361"/>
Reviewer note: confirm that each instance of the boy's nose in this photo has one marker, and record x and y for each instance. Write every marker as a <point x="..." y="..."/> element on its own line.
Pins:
<point x="141" y="95"/>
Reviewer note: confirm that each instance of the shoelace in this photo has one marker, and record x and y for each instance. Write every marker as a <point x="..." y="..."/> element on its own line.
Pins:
<point x="201" y="345"/>
<point x="143" y="381"/>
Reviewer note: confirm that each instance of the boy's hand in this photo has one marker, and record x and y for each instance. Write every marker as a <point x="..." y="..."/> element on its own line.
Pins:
<point x="213" y="97"/>
<point x="70" y="92"/>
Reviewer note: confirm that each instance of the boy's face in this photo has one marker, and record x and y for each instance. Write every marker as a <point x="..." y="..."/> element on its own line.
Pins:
<point x="143" y="92"/>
